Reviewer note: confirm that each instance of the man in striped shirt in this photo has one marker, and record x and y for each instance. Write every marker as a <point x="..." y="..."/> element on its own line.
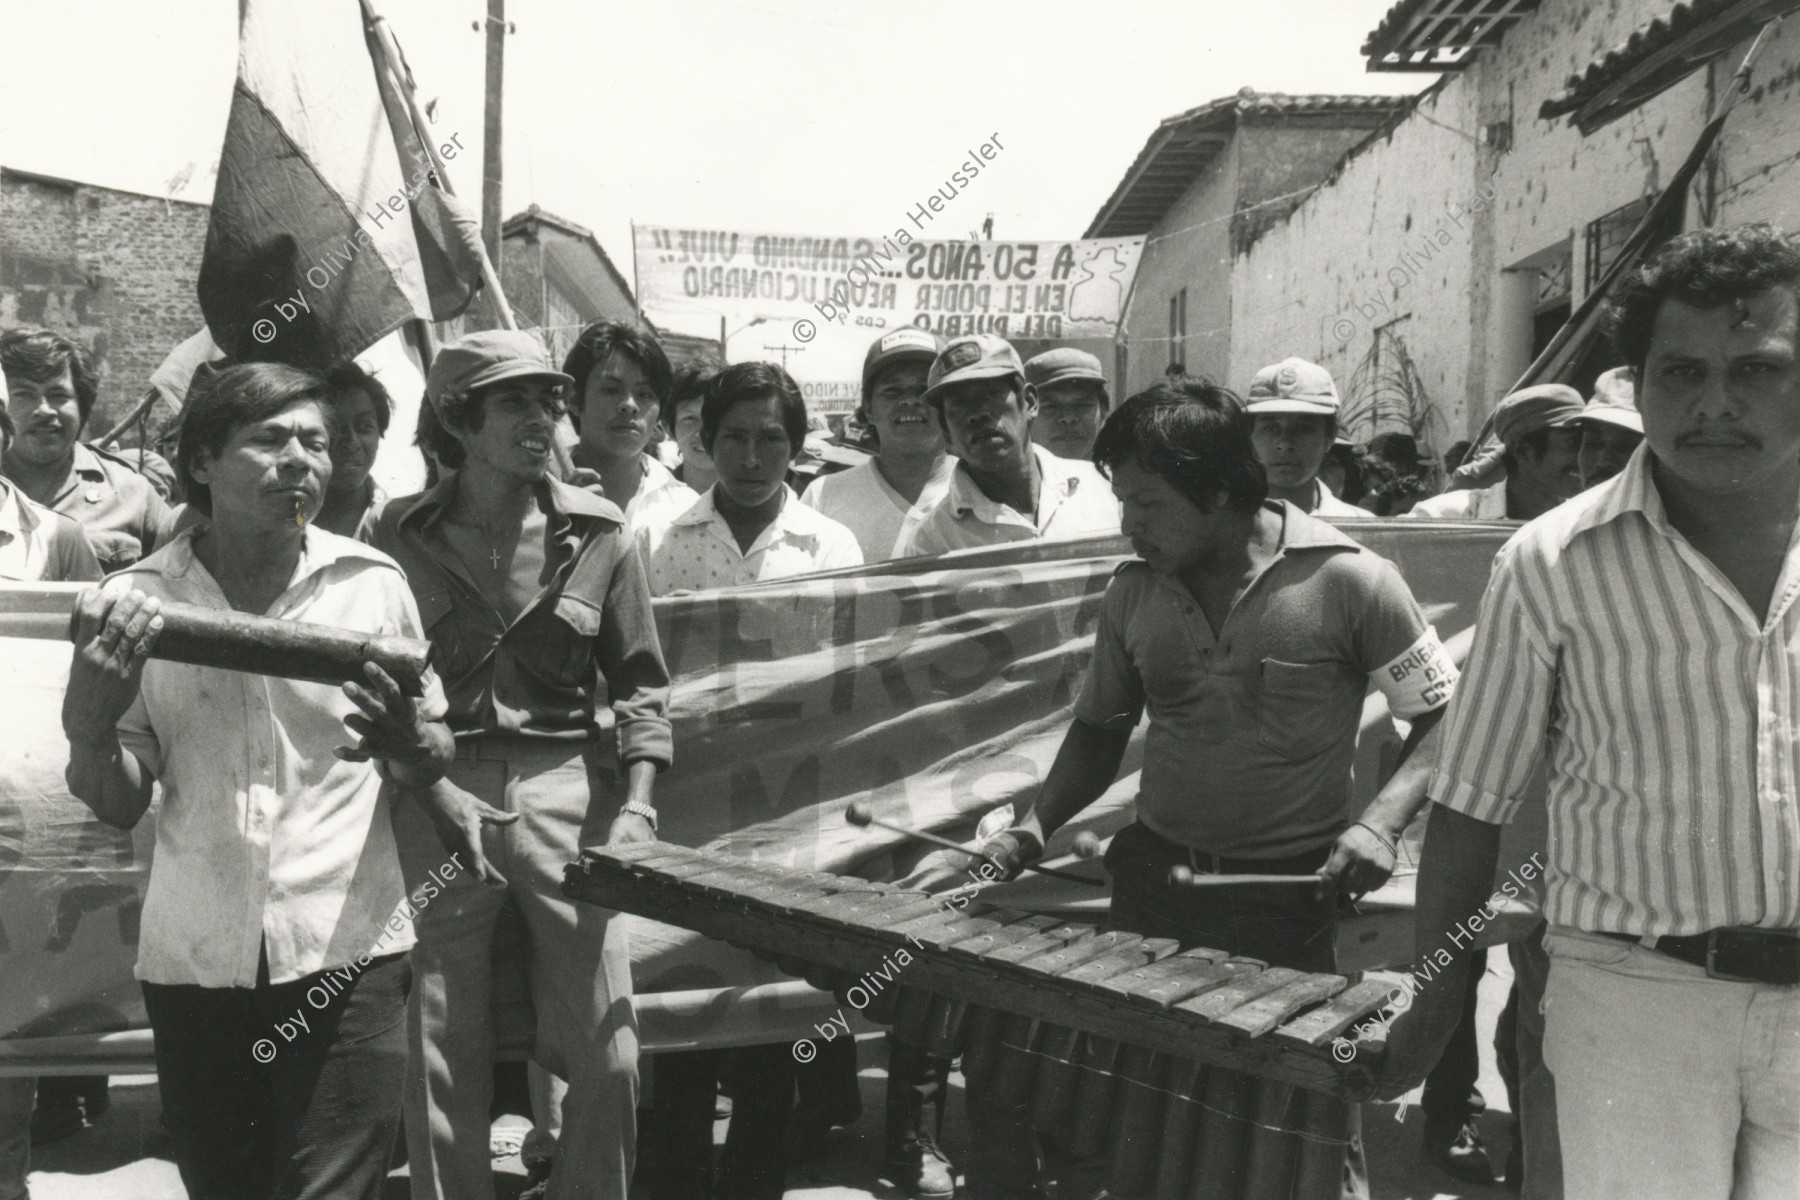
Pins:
<point x="1645" y="636"/>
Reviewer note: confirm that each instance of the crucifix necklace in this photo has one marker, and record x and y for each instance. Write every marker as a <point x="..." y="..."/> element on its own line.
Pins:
<point x="494" y="559"/>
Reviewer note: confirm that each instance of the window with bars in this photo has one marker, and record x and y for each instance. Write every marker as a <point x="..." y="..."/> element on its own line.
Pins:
<point x="1178" y="329"/>
<point x="1606" y="236"/>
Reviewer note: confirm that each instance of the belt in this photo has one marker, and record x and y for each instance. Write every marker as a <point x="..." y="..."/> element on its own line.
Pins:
<point x="503" y="748"/>
<point x="1737" y="955"/>
<point x="1305" y="863"/>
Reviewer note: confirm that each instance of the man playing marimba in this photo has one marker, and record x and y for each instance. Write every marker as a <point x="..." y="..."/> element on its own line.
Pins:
<point x="1251" y="632"/>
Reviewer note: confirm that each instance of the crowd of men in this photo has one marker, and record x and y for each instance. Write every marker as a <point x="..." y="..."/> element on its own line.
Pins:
<point x="1633" y="689"/>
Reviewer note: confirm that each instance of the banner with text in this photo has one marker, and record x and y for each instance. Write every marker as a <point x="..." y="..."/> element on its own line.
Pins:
<point x="935" y="690"/>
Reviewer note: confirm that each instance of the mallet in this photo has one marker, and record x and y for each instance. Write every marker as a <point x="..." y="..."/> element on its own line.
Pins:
<point x="1185" y="877"/>
<point x="859" y="814"/>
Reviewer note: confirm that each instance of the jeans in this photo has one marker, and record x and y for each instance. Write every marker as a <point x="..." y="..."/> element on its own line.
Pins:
<point x="578" y="975"/>
<point x="1668" y="1083"/>
<point x="259" y="1105"/>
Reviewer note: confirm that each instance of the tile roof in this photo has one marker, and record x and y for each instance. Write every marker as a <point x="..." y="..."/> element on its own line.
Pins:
<point x="1182" y="146"/>
<point x="1658" y="54"/>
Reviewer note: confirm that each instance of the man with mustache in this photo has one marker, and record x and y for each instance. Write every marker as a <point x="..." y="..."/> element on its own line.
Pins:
<point x="1639" y="640"/>
<point x="910" y="466"/>
<point x="1293" y="407"/>
<point x="1535" y="428"/>
<point x="536" y="605"/>
<point x="1005" y="487"/>
<point x="53" y="388"/>
<point x="1611" y="427"/>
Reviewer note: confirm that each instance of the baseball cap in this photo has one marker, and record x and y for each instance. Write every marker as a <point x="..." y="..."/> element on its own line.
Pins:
<point x="1614" y="401"/>
<point x="488" y="357"/>
<point x="978" y="356"/>
<point x="1545" y="406"/>
<point x="1293" y="385"/>
<point x="1065" y="364"/>
<point x="900" y="345"/>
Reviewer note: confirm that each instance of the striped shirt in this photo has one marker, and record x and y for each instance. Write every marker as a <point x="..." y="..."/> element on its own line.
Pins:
<point x="1670" y="717"/>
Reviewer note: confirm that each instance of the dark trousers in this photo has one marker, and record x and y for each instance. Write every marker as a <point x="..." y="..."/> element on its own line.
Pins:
<point x="753" y="1165"/>
<point x="1451" y="1096"/>
<point x="313" y="1120"/>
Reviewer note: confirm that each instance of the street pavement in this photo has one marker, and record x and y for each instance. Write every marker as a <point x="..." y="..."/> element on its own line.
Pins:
<point x="126" y="1158"/>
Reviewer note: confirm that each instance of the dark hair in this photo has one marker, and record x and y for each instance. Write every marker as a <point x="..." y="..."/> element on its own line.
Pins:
<point x="1457" y="453"/>
<point x="599" y="342"/>
<point x="1704" y="268"/>
<point x="6" y="424"/>
<point x="39" y="355"/>
<point x="1194" y="434"/>
<point x="1350" y="460"/>
<point x="350" y="376"/>
<point x="1537" y="441"/>
<point x="230" y="400"/>
<point x="753" y="381"/>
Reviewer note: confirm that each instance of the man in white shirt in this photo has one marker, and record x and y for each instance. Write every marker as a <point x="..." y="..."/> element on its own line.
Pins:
<point x="1293" y="407"/>
<point x="275" y="929"/>
<point x="1541" y="449"/>
<point x="1004" y="488"/>
<point x="749" y="526"/>
<point x="910" y="466"/>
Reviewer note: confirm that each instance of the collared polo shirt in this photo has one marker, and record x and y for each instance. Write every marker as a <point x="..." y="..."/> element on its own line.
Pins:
<point x="696" y="551"/>
<point x="265" y="837"/>
<point x="539" y="674"/>
<point x="38" y="545"/>
<point x="1074" y="501"/>
<point x="115" y="506"/>
<point x="1470" y="504"/>
<point x="1253" y="730"/>
<point x="864" y="502"/>
<point x="1669" y="715"/>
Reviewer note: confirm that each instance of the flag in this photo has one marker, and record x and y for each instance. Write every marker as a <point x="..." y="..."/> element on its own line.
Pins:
<point x="332" y="224"/>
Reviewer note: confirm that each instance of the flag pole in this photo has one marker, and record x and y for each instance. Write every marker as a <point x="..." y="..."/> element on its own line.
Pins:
<point x="490" y="279"/>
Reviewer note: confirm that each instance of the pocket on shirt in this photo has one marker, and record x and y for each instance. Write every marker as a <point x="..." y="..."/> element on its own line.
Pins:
<point x="577" y="625"/>
<point x="1292" y="716"/>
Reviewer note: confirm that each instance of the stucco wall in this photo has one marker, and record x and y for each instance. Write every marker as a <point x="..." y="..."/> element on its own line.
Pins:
<point x="1406" y="239"/>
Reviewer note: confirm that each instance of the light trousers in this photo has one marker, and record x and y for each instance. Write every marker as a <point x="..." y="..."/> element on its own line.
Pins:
<point x="1668" y="1083"/>
<point x="578" y="977"/>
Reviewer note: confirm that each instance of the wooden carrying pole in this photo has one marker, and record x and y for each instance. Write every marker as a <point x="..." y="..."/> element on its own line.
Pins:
<point x="233" y="641"/>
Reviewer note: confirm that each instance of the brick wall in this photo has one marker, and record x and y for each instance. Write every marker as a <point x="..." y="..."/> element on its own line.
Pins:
<point x="115" y="270"/>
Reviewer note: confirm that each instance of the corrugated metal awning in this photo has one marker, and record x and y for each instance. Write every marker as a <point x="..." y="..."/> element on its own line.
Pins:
<point x="1440" y="35"/>
<point x="1657" y="56"/>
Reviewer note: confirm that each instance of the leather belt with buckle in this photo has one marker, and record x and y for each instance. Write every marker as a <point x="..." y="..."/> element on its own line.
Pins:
<point x="1736" y="955"/>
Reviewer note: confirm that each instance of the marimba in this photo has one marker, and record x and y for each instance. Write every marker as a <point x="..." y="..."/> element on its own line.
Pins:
<point x="1197" y="1074"/>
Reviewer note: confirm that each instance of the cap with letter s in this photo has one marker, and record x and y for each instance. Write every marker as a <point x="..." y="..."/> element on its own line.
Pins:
<point x="1293" y="385"/>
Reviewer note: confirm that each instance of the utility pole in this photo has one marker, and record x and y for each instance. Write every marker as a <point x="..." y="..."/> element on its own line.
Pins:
<point x="784" y="351"/>
<point x="497" y="29"/>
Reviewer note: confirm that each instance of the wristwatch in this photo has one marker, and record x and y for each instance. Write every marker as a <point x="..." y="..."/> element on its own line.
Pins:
<point x="640" y="808"/>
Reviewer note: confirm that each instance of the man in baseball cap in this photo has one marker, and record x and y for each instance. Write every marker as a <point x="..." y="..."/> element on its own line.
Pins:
<point x="1072" y="401"/>
<point x="1004" y="488"/>
<point x="1611" y="429"/>
<point x="530" y="663"/>
<point x="1539" y="447"/>
<point x="1293" y="407"/>
<point x="910" y="466"/>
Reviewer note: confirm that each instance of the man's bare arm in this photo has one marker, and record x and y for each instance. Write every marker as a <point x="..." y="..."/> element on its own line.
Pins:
<point x="113" y="638"/>
<point x="1086" y="765"/>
